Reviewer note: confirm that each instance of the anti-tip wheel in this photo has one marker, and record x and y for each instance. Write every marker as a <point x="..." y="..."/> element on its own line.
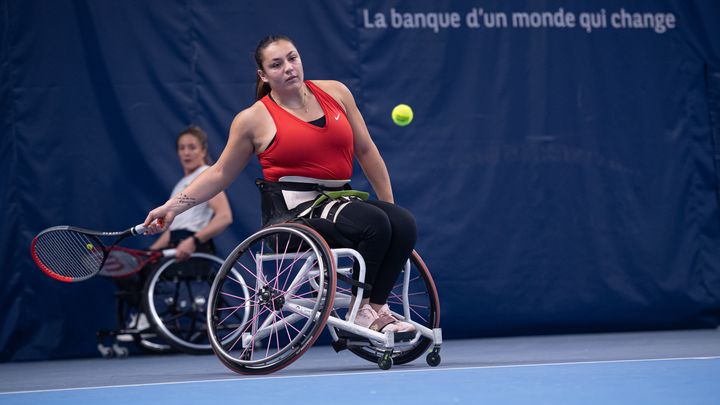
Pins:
<point x="105" y="351"/>
<point x="120" y="351"/>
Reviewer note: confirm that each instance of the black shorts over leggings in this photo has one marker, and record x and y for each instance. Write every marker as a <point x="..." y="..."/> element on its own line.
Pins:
<point x="383" y="233"/>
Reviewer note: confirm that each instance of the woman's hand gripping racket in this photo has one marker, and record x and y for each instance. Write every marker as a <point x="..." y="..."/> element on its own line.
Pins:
<point x="71" y="254"/>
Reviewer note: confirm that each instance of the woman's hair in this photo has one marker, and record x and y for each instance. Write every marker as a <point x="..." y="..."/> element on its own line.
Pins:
<point x="262" y="88"/>
<point x="201" y="136"/>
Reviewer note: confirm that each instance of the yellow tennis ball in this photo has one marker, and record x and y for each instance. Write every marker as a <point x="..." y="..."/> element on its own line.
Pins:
<point x="402" y="114"/>
<point x="89" y="246"/>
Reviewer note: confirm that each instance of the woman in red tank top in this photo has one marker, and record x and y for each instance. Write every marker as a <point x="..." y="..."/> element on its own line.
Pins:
<point x="313" y="129"/>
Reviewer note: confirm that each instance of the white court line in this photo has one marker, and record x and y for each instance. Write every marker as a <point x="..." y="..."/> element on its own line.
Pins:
<point x="354" y="373"/>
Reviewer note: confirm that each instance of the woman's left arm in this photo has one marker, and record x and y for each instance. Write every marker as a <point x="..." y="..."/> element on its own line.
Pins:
<point x="366" y="152"/>
<point x="221" y="219"/>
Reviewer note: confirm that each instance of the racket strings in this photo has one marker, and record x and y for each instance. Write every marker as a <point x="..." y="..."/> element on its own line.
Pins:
<point x="69" y="253"/>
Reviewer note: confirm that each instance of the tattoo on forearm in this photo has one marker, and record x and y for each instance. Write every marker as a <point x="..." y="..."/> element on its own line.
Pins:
<point x="184" y="201"/>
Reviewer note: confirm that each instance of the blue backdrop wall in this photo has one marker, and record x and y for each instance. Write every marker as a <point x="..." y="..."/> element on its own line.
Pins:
<point x="562" y="163"/>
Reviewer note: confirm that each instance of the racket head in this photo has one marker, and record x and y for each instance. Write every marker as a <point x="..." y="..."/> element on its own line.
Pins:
<point x="68" y="254"/>
<point x="123" y="262"/>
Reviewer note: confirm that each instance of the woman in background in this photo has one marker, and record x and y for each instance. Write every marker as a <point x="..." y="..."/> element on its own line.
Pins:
<point x="193" y="230"/>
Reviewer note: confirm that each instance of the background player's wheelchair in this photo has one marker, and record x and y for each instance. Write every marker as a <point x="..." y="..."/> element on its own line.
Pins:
<point x="283" y="285"/>
<point x="161" y="303"/>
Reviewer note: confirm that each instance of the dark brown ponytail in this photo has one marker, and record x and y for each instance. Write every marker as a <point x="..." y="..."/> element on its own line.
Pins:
<point x="261" y="88"/>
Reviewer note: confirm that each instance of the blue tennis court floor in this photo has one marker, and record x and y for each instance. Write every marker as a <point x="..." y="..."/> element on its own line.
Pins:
<point x="677" y="367"/>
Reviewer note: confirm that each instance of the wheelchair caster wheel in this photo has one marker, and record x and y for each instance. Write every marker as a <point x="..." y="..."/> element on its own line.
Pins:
<point x="385" y="362"/>
<point x="433" y="358"/>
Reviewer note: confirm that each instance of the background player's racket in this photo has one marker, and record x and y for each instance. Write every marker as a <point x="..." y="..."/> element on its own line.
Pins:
<point x="71" y="254"/>
<point x="122" y="262"/>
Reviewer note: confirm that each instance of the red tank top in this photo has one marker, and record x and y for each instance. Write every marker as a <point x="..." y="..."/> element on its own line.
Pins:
<point x="304" y="149"/>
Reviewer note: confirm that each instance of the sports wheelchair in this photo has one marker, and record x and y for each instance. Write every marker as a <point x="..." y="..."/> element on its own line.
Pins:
<point x="162" y="310"/>
<point x="279" y="289"/>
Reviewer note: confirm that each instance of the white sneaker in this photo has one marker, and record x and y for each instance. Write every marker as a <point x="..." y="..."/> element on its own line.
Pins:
<point x="137" y="321"/>
<point x="142" y="322"/>
<point x="381" y="322"/>
<point x="366" y="316"/>
<point x="400" y="325"/>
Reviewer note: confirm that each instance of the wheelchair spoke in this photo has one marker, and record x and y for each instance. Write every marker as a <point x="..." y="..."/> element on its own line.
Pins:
<point x="284" y="310"/>
<point x="236" y="296"/>
<point x="250" y="272"/>
<point x="278" y="265"/>
<point x="236" y="281"/>
<point x="287" y="324"/>
<point x="252" y="322"/>
<point x="229" y="315"/>
<point x="414" y="311"/>
<point x="305" y="294"/>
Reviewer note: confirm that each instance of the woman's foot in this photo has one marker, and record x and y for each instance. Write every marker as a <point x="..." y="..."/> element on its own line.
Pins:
<point x="381" y="322"/>
<point x="401" y="325"/>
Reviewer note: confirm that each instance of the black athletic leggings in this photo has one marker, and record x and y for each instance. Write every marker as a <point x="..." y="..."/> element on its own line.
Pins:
<point x="383" y="233"/>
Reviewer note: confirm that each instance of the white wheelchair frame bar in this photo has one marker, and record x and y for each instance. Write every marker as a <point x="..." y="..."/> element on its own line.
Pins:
<point x="304" y="307"/>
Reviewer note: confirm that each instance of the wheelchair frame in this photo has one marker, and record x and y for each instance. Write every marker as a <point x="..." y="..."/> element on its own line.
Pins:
<point x="385" y="340"/>
<point x="308" y="294"/>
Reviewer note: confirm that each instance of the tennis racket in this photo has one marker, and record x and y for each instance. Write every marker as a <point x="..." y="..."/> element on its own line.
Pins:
<point x="71" y="254"/>
<point x="122" y="262"/>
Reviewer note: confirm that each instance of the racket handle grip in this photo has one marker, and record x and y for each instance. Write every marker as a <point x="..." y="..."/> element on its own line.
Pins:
<point x="140" y="229"/>
<point x="169" y="252"/>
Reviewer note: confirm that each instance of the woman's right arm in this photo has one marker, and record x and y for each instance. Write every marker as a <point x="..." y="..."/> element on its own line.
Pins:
<point x="234" y="158"/>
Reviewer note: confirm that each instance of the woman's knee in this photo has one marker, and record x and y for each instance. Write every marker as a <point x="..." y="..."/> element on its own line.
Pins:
<point x="405" y="219"/>
<point x="377" y="224"/>
<point x="406" y="228"/>
<point x="402" y="221"/>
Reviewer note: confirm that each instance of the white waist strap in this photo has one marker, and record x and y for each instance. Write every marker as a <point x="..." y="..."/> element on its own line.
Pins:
<point x="295" y="198"/>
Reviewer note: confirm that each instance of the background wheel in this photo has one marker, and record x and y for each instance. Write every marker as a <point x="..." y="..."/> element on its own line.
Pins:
<point x="148" y="341"/>
<point x="175" y="300"/>
<point x="424" y="306"/>
<point x="290" y="273"/>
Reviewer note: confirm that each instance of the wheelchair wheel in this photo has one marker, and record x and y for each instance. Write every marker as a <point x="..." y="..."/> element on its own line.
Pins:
<point x="176" y="295"/>
<point x="290" y="272"/>
<point x="424" y="308"/>
<point x="148" y="341"/>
